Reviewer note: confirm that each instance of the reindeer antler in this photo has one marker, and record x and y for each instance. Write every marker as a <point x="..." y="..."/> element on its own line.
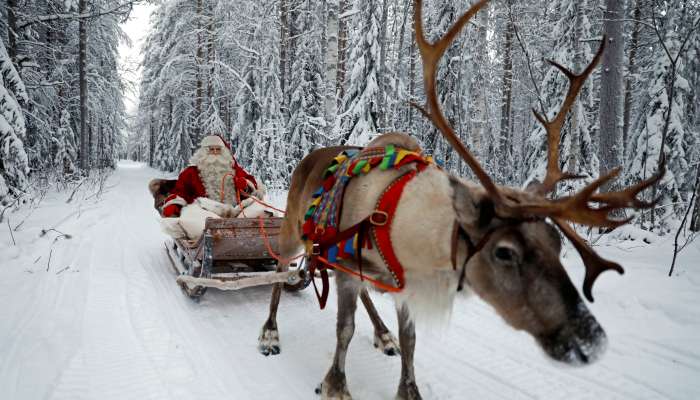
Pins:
<point x="553" y="128"/>
<point x="584" y="207"/>
<point x="431" y="54"/>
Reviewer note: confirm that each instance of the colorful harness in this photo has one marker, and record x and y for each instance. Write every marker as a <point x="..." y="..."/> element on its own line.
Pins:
<point x="326" y="244"/>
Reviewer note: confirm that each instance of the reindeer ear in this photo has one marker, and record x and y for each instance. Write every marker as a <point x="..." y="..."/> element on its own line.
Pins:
<point x="474" y="209"/>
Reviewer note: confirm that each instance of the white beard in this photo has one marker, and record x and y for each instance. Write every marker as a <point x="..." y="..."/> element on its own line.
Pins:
<point x="212" y="170"/>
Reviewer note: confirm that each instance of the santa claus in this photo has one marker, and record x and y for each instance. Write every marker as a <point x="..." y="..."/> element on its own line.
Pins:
<point x="214" y="174"/>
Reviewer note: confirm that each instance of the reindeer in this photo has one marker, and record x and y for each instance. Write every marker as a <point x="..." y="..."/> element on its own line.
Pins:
<point x="508" y="246"/>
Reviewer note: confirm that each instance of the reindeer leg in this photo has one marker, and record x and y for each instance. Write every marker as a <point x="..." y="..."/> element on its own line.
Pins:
<point x="268" y="341"/>
<point x="408" y="390"/>
<point x="383" y="339"/>
<point x="334" y="386"/>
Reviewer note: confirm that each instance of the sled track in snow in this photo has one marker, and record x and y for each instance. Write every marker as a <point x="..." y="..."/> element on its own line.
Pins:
<point x="116" y="326"/>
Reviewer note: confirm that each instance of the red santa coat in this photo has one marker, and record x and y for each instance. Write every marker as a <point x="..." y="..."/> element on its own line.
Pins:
<point x="189" y="187"/>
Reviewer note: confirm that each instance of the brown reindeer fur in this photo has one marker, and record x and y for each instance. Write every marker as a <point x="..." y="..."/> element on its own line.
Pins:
<point x="306" y="179"/>
<point x="160" y="189"/>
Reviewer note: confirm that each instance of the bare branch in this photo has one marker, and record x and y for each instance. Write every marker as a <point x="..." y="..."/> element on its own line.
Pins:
<point x="76" y="16"/>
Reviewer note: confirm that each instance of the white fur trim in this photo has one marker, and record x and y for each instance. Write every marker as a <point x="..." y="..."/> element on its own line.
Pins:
<point x="220" y="209"/>
<point x="212" y="141"/>
<point x="177" y="200"/>
<point x="172" y="227"/>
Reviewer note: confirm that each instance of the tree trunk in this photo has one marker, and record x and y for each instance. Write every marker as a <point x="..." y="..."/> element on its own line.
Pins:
<point x="342" y="54"/>
<point x="200" y="84"/>
<point x="12" y="30"/>
<point x="90" y="147"/>
<point x="400" y="61"/>
<point x="284" y="13"/>
<point x="82" y="77"/>
<point x="211" y="56"/>
<point x="412" y="80"/>
<point x="610" y="150"/>
<point x="478" y="85"/>
<point x="574" y="150"/>
<point x="101" y="146"/>
<point x="331" y="102"/>
<point x="695" y="220"/>
<point x="631" y="71"/>
<point x="506" y="99"/>
<point x="151" y="136"/>
<point x="382" y="75"/>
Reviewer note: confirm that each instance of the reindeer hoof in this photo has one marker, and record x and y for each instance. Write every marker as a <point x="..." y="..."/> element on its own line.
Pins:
<point x="333" y="388"/>
<point x="387" y="344"/>
<point x="269" y="342"/>
<point x="408" y="391"/>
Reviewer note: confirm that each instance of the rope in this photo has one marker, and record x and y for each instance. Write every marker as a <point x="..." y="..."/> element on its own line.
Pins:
<point x="266" y="240"/>
<point x="262" y="203"/>
<point x="238" y="199"/>
<point x="376" y="283"/>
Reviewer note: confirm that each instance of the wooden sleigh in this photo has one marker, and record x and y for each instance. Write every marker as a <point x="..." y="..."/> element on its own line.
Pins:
<point x="232" y="254"/>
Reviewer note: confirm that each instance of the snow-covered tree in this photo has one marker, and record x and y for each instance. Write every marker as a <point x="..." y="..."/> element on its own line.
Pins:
<point x="646" y="145"/>
<point x="14" y="165"/>
<point x="306" y="124"/>
<point x="64" y="145"/>
<point x="577" y="151"/>
<point x="359" y="115"/>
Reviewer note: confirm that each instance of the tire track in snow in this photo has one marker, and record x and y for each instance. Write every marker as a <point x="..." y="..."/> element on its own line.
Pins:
<point x="111" y="363"/>
<point x="52" y="306"/>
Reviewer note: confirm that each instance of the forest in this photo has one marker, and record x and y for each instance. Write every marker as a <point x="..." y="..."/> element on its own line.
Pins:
<point x="279" y="78"/>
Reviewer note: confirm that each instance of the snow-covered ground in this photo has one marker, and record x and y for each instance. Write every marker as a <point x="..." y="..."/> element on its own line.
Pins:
<point x="104" y="319"/>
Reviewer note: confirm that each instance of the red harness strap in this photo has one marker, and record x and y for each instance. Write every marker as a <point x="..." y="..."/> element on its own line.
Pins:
<point x="379" y="224"/>
<point x="381" y="232"/>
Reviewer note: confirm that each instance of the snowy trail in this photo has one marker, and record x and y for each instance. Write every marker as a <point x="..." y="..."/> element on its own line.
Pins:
<point x="114" y="325"/>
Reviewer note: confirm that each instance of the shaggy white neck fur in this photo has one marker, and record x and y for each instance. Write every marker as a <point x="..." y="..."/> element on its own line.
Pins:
<point x="212" y="170"/>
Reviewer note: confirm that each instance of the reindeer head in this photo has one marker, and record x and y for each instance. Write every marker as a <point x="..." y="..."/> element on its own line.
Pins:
<point x="515" y="264"/>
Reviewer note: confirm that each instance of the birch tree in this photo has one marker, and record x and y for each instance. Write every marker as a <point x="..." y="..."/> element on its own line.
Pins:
<point x="611" y="93"/>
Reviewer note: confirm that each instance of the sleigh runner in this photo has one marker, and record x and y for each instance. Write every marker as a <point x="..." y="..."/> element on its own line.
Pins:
<point x="232" y="254"/>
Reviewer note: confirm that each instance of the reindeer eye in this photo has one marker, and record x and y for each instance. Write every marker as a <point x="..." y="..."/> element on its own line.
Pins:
<point x="506" y="253"/>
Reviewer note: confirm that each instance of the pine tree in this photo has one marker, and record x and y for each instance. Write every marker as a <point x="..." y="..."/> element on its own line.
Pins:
<point x="306" y="121"/>
<point x="64" y="146"/>
<point x="358" y="118"/>
<point x="14" y="165"/>
<point x="577" y="150"/>
<point x="646" y="146"/>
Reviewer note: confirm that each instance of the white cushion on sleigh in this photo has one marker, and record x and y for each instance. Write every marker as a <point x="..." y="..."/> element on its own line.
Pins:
<point x="190" y="224"/>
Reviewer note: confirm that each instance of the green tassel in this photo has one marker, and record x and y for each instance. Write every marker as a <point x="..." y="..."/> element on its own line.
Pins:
<point x="358" y="168"/>
<point x="309" y="212"/>
<point x="390" y="150"/>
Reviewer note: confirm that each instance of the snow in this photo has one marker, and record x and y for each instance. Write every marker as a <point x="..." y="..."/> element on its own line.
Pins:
<point x="104" y="319"/>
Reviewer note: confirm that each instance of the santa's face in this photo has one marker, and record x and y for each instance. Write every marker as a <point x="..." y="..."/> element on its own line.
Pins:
<point x="215" y="164"/>
<point x="214" y="150"/>
<point x="212" y="157"/>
